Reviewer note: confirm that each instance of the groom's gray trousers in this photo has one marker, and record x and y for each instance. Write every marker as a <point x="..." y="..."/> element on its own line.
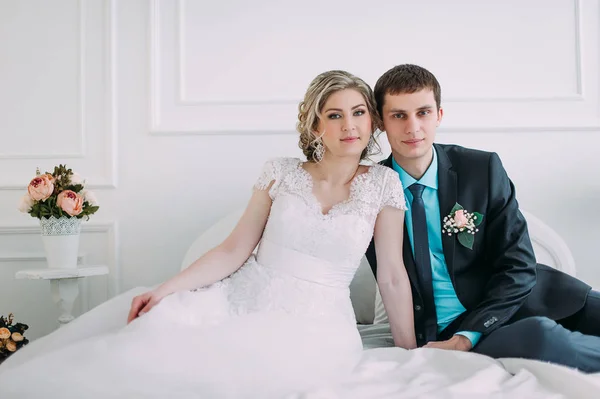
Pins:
<point x="573" y="342"/>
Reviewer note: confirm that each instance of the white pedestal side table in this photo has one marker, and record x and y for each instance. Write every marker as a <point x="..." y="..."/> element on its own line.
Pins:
<point x="63" y="284"/>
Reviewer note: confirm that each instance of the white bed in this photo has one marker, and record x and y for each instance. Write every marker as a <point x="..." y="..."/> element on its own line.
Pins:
<point x="385" y="372"/>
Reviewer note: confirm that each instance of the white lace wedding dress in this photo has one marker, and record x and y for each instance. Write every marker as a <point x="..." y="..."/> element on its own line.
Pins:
<point x="282" y="323"/>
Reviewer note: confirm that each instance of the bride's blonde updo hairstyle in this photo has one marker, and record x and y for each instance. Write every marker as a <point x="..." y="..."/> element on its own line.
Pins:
<point x="319" y="90"/>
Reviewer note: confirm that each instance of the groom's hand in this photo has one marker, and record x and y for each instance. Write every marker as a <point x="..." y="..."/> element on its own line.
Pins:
<point x="456" y="343"/>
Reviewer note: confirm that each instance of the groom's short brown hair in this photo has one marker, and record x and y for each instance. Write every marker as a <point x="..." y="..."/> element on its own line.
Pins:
<point x="406" y="78"/>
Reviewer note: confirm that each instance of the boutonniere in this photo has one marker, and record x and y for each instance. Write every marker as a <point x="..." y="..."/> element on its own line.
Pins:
<point x="463" y="224"/>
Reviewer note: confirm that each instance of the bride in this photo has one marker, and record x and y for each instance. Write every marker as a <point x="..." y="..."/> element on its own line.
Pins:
<point x="235" y="324"/>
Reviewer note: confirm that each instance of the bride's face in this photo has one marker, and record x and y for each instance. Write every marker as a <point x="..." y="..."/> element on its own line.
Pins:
<point x="345" y="123"/>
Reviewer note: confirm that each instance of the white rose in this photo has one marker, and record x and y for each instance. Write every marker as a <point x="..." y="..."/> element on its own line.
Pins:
<point x="77" y="179"/>
<point x="26" y="203"/>
<point x="90" y="197"/>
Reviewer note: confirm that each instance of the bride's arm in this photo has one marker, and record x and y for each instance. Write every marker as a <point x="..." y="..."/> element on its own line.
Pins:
<point x="392" y="278"/>
<point x="230" y="255"/>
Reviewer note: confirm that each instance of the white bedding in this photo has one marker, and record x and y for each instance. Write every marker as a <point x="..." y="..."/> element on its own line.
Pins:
<point x="432" y="373"/>
<point x="382" y="372"/>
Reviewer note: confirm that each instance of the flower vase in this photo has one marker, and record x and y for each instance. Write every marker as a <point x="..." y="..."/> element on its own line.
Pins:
<point x="61" y="241"/>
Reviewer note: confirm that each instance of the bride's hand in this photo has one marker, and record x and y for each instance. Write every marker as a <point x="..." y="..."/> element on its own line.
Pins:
<point x="142" y="304"/>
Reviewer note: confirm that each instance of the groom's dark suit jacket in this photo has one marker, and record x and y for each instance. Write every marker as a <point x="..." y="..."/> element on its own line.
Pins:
<point x="498" y="281"/>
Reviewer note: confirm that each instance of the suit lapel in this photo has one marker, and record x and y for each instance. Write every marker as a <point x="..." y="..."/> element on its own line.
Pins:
<point x="409" y="260"/>
<point x="447" y="196"/>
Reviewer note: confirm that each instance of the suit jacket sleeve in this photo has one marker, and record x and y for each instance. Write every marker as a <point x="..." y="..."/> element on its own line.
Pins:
<point x="507" y="252"/>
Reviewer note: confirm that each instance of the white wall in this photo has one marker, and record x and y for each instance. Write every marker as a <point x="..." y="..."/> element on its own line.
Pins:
<point x="169" y="108"/>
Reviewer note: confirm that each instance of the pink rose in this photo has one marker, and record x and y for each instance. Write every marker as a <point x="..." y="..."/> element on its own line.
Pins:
<point x="70" y="202"/>
<point x="41" y="187"/>
<point x="460" y="219"/>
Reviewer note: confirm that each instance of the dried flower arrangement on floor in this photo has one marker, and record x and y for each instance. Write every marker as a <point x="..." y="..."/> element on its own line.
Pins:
<point x="11" y="336"/>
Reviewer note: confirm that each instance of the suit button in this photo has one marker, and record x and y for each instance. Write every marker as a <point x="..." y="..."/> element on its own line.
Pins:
<point x="420" y="336"/>
<point x="417" y="308"/>
<point x="490" y="321"/>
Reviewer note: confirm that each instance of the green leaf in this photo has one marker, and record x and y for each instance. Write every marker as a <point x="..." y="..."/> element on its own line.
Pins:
<point x="74" y="187"/>
<point x="92" y="209"/>
<point x="455" y="208"/>
<point x="466" y="239"/>
<point x="479" y="219"/>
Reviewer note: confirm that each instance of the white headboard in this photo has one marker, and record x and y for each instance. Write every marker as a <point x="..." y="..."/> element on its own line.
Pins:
<point x="549" y="248"/>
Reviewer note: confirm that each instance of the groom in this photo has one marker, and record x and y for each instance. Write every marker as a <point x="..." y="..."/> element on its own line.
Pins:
<point x="475" y="282"/>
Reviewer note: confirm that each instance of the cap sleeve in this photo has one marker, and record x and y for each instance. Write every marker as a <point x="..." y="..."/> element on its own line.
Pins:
<point x="272" y="174"/>
<point x="393" y="191"/>
<point x="267" y="175"/>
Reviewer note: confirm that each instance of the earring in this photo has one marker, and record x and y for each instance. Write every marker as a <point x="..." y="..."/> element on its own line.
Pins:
<point x="319" y="151"/>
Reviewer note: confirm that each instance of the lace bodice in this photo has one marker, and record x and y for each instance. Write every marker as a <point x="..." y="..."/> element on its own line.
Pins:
<point x="329" y="245"/>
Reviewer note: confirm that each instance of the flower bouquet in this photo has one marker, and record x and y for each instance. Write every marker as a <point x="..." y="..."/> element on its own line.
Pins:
<point x="58" y="194"/>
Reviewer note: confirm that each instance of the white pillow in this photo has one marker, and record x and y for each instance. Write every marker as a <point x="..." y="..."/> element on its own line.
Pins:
<point x="362" y="293"/>
<point x="380" y="316"/>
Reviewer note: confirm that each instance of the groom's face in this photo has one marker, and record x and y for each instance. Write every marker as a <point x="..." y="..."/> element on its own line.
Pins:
<point x="410" y="121"/>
